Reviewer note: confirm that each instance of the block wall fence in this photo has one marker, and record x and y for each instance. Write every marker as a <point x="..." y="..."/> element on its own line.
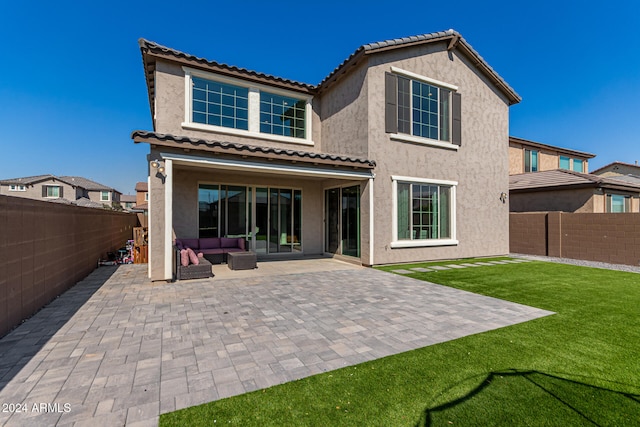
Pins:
<point x="604" y="237"/>
<point x="46" y="248"/>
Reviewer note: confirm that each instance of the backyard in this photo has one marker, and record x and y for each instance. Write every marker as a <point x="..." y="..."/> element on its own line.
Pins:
<point x="577" y="367"/>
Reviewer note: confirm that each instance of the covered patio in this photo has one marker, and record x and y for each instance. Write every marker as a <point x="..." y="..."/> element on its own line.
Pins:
<point x="284" y="203"/>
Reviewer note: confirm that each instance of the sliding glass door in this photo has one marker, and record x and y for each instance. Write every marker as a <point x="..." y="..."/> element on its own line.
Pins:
<point x="269" y="218"/>
<point x="342" y="221"/>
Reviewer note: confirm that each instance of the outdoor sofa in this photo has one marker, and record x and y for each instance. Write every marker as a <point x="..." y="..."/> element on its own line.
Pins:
<point x="214" y="249"/>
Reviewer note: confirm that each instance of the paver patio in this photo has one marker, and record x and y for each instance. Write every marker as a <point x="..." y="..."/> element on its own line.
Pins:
<point x="118" y="349"/>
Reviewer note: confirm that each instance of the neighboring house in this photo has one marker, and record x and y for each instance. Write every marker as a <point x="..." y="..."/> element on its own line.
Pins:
<point x="128" y="201"/>
<point x="569" y="191"/>
<point x="74" y="189"/>
<point x="529" y="156"/>
<point x="142" y="195"/>
<point x="384" y="161"/>
<point x="617" y="169"/>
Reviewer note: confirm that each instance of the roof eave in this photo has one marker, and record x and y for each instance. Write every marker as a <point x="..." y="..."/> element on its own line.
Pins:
<point x="523" y="141"/>
<point x="218" y="147"/>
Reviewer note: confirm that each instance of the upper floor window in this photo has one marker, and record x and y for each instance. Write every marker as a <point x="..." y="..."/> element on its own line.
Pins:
<point x="220" y="104"/>
<point x="571" y="164"/>
<point x="578" y="165"/>
<point x="105" y="196"/>
<point x="422" y="107"/>
<point x="530" y="160"/>
<point x="51" y="191"/>
<point x="238" y="107"/>
<point x="14" y="187"/>
<point x="282" y="115"/>
<point x="146" y="197"/>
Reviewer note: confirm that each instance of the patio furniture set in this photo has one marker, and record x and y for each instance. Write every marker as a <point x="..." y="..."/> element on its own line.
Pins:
<point x="195" y="257"/>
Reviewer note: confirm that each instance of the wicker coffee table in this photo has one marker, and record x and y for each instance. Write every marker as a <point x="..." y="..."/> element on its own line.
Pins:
<point x="241" y="260"/>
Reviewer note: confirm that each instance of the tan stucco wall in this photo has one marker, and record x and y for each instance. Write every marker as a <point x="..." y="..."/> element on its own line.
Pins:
<point x="170" y="106"/>
<point x="579" y="200"/>
<point x="480" y="166"/>
<point x="344" y="115"/>
<point x="547" y="159"/>
<point x="35" y="191"/>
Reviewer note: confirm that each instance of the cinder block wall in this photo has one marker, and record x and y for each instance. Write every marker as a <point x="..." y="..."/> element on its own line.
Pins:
<point x="45" y="248"/>
<point x="603" y="237"/>
<point x="528" y="233"/>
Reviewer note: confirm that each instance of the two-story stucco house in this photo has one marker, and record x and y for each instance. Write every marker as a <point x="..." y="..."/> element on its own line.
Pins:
<point x="398" y="155"/>
<point x="66" y="189"/>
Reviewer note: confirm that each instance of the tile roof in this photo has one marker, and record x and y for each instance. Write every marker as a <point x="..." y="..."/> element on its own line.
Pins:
<point x="563" y="179"/>
<point x="149" y="47"/>
<point x="28" y="180"/>
<point x="142" y="186"/>
<point x="455" y="41"/>
<point x="85" y="183"/>
<point x="128" y="198"/>
<point x="551" y="147"/>
<point x="636" y="166"/>
<point x="257" y="151"/>
<point x="151" y="50"/>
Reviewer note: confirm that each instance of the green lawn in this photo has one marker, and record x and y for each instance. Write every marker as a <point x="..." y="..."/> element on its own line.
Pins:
<point x="580" y="366"/>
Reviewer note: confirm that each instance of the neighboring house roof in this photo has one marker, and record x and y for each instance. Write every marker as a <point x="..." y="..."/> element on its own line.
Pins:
<point x="551" y="147"/>
<point x="613" y="165"/>
<point x="151" y="51"/>
<point x="253" y="150"/>
<point x="128" y="198"/>
<point x="28" y="180"/>
<point x="561" y="179"/>
<point x="633" y="179"/>
<point x="85" y="183"/>
<point x="82" y="202"/>
<point x="142" y="186"/>
<point x="141" y="207"/>
<point x="86" y="203"/>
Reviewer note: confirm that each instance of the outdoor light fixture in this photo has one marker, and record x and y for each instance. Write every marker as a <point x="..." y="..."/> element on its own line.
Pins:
<point x="503" y="197"/>
<point x="157" y="166"/>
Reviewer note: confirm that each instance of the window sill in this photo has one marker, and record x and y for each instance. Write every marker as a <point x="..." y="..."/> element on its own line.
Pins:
<point x="423" y="141"/>
<point x="246" y="133"/>
<point x="423" y="243"/>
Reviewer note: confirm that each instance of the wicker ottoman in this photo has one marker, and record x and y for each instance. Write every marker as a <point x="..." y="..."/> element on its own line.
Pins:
<point x="241" y="260"/>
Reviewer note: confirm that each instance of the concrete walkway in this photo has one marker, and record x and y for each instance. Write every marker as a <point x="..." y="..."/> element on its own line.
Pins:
<point x="118" y="349"/>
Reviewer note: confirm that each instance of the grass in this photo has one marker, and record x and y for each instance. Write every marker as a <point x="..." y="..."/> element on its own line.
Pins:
<point x="577" y="367"/>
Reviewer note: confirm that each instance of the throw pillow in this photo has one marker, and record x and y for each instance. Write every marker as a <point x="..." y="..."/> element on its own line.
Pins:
<point x="184" y="257"/>
<point x="193" y="257"/>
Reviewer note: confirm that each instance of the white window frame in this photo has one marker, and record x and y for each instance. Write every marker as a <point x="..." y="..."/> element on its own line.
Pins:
<point x="420" y="139"/>
<point x="254" y="108"/>
<point x="395" y="243"/>
<point x="14" y="187"/>
<point x="108" y="199"/>
<point x="146" y="196"/>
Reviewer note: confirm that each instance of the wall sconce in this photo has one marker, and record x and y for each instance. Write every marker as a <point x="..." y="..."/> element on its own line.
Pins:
<point x="503" y="197"/>
<point x="155" y="164"/>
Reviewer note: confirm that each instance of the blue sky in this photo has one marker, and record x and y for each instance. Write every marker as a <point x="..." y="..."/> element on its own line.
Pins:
<point x="72" y="86"/>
